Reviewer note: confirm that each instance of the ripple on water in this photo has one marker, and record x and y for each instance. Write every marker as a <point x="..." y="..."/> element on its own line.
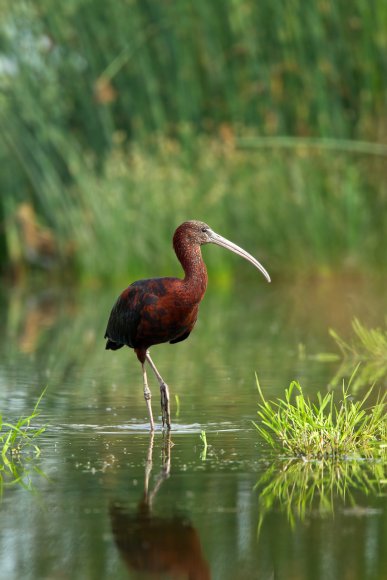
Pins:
<point x="135" y="427"/>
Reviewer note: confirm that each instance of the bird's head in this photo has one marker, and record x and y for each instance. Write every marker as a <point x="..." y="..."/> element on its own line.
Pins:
<point x="199" y="233"/>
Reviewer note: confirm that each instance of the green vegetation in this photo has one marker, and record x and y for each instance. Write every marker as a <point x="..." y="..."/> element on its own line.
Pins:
<point x="18" y="448"/>
<point x="342" y="446"/>
<point x="368" y="347"/>
<point x="307" y="206"/>
<point x="20" y="436"/>
<point x="326" y="429"/>
<point x="14" y="471"/>
<point x="145" y="67"/>
<point x="177" y="401"/>
<point x="117" y="123"/>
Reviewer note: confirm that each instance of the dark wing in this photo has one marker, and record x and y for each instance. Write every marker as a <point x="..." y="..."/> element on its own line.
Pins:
<point x="150" y="312"/>
<point x="124" y="318"/>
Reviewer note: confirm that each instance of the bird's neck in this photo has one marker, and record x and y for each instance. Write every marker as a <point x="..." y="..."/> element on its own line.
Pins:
<point x="195" y="279"/>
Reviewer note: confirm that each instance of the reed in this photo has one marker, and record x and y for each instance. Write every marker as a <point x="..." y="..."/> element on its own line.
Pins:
<point x="306" y="205"/>
<point x="116" y="118"/>
<point x="146" y="66"/>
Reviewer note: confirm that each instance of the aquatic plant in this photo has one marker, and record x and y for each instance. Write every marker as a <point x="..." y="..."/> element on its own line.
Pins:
<point x="139" y="187"/>
<point x="369" y="343"/>
<point x="299" y="428"/>
<point x="113" y="140"/>
<point x="241" y="63"/>
<point x="14" y="471"/>
<point x="368" y="347"/>
<point x="18" y="449"/>
<point x="177" y="401"/>
<point x="20" y="437"/>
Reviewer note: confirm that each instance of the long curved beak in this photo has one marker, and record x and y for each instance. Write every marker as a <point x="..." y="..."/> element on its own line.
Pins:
<point x="220" y="241"/>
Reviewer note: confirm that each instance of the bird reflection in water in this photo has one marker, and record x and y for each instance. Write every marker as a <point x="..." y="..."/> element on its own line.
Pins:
<point x="154" y="544"/>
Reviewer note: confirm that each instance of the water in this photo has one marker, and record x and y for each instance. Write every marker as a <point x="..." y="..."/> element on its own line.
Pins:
<point x="111" y="502"/>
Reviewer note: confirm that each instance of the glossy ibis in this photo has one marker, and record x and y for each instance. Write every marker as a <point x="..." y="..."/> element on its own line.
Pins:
<point x="160" y="310"/>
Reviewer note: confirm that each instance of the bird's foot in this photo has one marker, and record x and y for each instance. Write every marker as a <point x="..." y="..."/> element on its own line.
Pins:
<point x="165" y="410"/>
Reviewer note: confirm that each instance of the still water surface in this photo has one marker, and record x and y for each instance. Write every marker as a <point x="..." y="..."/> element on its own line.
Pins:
<point x="112" y="502"/>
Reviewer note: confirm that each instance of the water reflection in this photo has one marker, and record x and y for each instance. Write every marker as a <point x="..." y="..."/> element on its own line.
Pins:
<point x="96" y="442"/>
<point x="300" y="488"/>
<point x="18" y="471"/>
<point x="157" y="544"/>
<point x="56" y="338"/>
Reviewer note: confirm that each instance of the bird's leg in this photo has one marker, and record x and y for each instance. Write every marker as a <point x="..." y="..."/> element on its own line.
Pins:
<point x="164" y="392"/>
<point x="147" y="397"/>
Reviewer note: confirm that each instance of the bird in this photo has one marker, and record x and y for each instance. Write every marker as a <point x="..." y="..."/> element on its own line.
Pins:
<point x="159" y="310"/>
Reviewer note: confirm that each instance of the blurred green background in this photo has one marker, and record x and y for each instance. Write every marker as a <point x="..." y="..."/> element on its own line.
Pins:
<point x="119" y="120"/>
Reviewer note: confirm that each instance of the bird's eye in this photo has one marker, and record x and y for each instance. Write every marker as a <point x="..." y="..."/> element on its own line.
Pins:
<point x="204" y="230"/>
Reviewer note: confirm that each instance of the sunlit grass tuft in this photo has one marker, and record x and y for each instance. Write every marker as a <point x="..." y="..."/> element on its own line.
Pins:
<point x="18" y="448"/>
<point x="19" y="437"/>
<point x="326" y="429"/>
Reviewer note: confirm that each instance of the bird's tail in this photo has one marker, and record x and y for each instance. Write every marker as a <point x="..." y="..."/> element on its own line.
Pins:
<point x="111" y="345"/>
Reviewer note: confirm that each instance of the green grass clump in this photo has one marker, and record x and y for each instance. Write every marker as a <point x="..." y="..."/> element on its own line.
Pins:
<point x="368" y="343"/>
<point x="19" y="437"/>
<point x="18" y="448"/>
<point x="368" y="347"/>
<point x="300" y="428"/>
